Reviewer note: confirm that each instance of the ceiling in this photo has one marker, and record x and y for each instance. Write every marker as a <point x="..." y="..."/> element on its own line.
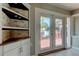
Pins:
<point x="67" y="6"/>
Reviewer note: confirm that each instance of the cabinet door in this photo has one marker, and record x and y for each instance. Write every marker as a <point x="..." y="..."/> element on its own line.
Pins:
<point x="1" y="51"/>
<point x="25" y="51"/>
<point x="25" y="48"/>
<point x="14" y="52"/>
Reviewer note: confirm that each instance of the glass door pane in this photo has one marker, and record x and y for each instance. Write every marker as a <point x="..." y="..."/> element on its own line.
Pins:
<point x="44" y="32"/>
<point x="58" y="32"/>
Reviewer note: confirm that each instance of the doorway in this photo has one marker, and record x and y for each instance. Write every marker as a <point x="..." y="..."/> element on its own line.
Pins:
<point x="49" y="32"/>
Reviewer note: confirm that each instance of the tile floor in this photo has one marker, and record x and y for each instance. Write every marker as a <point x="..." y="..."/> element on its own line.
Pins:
<point x="69" y="52"/>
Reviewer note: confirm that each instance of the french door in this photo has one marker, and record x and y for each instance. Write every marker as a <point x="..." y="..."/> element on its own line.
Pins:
<point x="49" y="33"/>
<point x="59" y="33"/>
<point x="45" y="40"/>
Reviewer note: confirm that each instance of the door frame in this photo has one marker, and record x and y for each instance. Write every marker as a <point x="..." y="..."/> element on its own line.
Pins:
<point x="37" y="12"/>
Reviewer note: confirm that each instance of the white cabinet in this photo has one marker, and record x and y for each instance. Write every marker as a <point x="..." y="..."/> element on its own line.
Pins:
<point x="11" y="46"/>
<point x="20" y="48"/>
<point x="1" y="50"/>
<point x="14" y="52"/>
<point x="25" y="51"/>
<point x="12" y="49"/>
<point x="25" y="47"/>
<point x="75" y="41"/>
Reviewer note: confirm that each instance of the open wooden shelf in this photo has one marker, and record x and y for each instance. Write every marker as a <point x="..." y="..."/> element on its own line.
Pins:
<point x="18" y="5"/>
<point x="15" y="24"/>
<point x="11" y="40"/>
<point x="14" y="15"/>
<point x="14" y="28"/>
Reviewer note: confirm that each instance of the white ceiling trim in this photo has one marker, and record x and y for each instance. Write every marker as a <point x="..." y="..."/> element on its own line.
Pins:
<point x="66" y="6"/>
<point x="40" y="10"/>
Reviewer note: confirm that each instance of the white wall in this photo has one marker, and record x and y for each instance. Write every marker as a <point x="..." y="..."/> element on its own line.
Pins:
<point x="75" y="36"/>
<point x="76" y="25"/>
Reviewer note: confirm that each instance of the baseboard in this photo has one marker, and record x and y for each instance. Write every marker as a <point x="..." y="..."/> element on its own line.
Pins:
<point x="34" y="55"/>
<point x="53" y="51"/>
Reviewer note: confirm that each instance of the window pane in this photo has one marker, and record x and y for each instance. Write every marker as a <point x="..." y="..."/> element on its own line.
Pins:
<point x="58" y="32"/>
<point x="44" y="32"/>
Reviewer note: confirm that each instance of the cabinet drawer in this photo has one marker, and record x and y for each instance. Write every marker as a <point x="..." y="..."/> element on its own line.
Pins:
<point x="11" y="46"/>
<point x="25" y="44"/>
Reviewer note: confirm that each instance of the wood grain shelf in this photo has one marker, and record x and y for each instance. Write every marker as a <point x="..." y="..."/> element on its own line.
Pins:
<point x="14" y="28"/>
<point x="11" y="40"/>
<point x="14" y="15"/>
